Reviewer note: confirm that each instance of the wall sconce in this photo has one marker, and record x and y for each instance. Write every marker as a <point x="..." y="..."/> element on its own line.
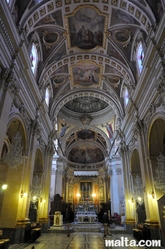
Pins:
<point x="131" y="200"/>
<point x="139" y="199"/>
<point x="42" y="200"/>
<point x="152" y="193"/>
<point x="23" y="194"/>
<point x="4" y="186"/>
<point x="34" y="198"/>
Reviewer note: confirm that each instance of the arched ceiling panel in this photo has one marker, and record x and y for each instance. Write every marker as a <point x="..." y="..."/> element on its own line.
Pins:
<point x="86" y="52"/>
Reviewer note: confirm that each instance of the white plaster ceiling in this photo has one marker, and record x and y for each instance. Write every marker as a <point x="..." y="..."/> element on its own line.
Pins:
<point x="86" y="73"/>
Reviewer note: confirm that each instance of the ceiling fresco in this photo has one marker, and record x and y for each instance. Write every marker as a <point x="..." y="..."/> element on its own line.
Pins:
<point x="86" y="57"/>
<point x="52" y="19"/>
<point x="85" y="134"/>
<point x="86" y="73"/>
<point x="85" y="154"/>
<point x="86" y="105"/>
<point x="86" y="27"/>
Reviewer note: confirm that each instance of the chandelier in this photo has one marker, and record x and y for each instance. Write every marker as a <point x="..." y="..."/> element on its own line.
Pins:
<point x="37" y="183"/>
<point x="14" y="158"/>
<point x="138" y="187"/>
<point x="160" y="174"/>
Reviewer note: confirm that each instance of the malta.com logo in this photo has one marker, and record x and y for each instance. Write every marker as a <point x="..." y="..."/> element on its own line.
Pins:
<point x="125" y="242"/>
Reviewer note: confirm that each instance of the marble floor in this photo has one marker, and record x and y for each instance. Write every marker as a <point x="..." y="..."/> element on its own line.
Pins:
<point x="76" y="240"/>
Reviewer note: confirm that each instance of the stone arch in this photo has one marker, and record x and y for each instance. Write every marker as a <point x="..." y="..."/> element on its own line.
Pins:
<point x="156" y="148"/>
<point x="116" y="106"/>
<point x="137" y="187"/>
<point x="46" y="74"/>
<point x="30" y="21"/>
<point x="15" y="139"/>
<point x="17" y="116"/>
<point x="95" y="129"/>
<point x="12" y="166"/>
<point x="156" y="138"/>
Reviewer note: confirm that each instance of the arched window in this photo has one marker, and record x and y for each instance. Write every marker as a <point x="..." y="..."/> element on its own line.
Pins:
<point x="139" y="57"/>
<point x="34" y="58"/>
<point x="125" y="96"/>
<point x="8" y="1"/>
<point x="47" y="94"/>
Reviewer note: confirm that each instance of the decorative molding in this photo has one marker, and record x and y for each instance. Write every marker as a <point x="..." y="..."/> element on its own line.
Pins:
<point x="7" y="76"/>
<point x="14" y="158"/>
<point x="86" y="119"/>
<point x="36" y="130"/>
<point x="118" y="171"/>
<point x="37" y="184"/>
<point x="22" y="109"/>
<point x="137" y="187"/>
<point x="160" y="174"/>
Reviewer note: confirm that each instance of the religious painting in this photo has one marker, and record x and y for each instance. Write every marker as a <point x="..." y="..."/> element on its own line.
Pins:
<point x="58" y="80"/>
<point x="50" y="38"/>
<point x="86" y="26"/>
<point x="70" y="192"/>
<point x="111" y="70"/>
<point x="86" y="73"/>
<point x="86" y="154"/>
<point x="18" y="10"/>
<point x="58" y="54"/>
<point x="157" y="7"/>
<point x="101" y="192"/>
<point x="60" y="70"/>
<point x="51" y="19"/>
<point x="112" y="52"/>
<point x="86" y="104"/>
<point x="123" y="36"/>
<point x="119" y="16"/>
<point x="85" y="134"/>
<point x="86" y="191"/>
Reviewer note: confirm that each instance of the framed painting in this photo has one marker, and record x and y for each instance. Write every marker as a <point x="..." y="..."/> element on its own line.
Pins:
<point x="86" y="27"/>
<point x="86" y="73"/>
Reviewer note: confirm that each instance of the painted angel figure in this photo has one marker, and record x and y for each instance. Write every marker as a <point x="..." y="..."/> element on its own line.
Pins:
<point x="63" y="130"/>
<point x="109" y="129"/>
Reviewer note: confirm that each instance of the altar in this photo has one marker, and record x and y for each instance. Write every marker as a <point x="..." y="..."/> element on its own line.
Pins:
<point x="86" y="213"/>
<point x="86" y="216"/>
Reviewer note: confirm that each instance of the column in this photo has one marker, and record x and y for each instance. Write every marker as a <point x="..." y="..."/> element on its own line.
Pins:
<point x="5" y="103"/>
<point x="129" y="204"/>
<point x="59" y="172"/>
<point x="116" y="186"/>
<point x="152" y="212"/>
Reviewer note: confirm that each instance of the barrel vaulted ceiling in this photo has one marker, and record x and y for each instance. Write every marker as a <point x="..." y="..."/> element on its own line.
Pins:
<point x="86" y="57"/>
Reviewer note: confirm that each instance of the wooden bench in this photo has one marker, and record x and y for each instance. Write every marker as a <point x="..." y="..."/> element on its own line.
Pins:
<point x="35" y="233"/>
<point x="32" y="233"/>
<point x="4" y="243"/>
<point x="138" y="232"/>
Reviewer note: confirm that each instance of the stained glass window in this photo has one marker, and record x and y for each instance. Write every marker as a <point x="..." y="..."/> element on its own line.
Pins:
<point x="126" y="96"/>
<point x="34" y="58"/>
<point x="47" y="95"/>
<point x="140" y="56"/>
